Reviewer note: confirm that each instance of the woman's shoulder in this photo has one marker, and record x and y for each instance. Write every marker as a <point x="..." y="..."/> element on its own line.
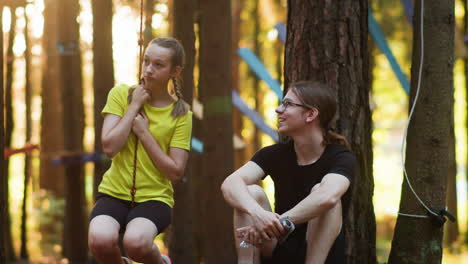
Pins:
<point x="277" y="148"/>
<point x="336" y="150"/>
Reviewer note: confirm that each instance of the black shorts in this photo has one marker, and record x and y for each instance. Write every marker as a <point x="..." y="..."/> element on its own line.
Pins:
<point x="294" y="250"/>
<point x="121" y="210"/>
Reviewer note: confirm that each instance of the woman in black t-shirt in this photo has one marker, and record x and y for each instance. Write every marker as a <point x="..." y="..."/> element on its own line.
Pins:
<point x="312" y="174"/>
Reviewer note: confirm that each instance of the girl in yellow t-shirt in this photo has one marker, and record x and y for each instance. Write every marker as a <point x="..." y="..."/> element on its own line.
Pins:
<point x="142" y="204"/>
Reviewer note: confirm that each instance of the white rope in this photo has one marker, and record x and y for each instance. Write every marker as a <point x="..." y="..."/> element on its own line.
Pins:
<point x="403" y="145"/>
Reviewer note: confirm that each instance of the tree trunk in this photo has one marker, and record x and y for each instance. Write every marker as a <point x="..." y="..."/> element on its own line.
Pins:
<point x="182" y="247"/>
<point x="103" y="78"/>
<point x="428" y="143"/>
<point x="51" y="177"/>
<point x="258" y="95"/>
<point x="75" y="229"/>
<point x="148" y="29"/>
<point x="3" y="178"/>
<point x="215" y="81"/>
<point x="465" y="64"/>
<point x="27" y="157"/>
<point x="237" y="6"/>
<point x="327" y="41"/>
<point x="9" y="126"/>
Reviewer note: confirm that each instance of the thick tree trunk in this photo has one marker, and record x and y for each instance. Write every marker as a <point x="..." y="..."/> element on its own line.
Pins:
<point x="27" y="158"/>
<point x="215" y="81"/>
<point x="75" y="230"/>
<point x="9" y="126"/>
<point x="3" y="181"/>
<point x="182" y="247"/>
<point x="51" y="177"/>
<point x="327" y="41"/>
<point x="103" y="78"/>
<point x="428" y="142"/>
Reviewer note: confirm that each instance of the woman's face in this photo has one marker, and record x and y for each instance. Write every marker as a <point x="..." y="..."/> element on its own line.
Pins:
<point x="157" y="65"/>
<point x="292" y="114"/>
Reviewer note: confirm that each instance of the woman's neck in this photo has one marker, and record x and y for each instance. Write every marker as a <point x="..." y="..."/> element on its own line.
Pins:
<point x="309" y="148"/>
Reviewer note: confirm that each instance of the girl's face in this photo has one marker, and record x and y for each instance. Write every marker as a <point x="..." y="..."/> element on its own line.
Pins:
<point x="157" y="65"/>
<point x="292" y="114"/>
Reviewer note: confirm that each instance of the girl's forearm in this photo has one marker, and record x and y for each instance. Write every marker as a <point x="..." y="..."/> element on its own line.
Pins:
<point x="161" y="160"/>
<point x="116" y="138"/>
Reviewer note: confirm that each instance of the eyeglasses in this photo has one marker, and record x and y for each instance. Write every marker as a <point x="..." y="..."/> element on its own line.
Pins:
<point x="287" y="103"/>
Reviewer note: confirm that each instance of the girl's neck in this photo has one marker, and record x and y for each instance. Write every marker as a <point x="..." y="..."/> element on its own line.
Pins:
<point x="159" y="96"/>
<point x="309" y="147"/>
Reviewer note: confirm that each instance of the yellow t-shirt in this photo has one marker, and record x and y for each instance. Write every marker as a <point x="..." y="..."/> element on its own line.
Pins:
<point x="151" y="184"/>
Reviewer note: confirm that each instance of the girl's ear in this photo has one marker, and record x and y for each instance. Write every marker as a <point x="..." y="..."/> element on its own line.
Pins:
<point x="177" y="71"/>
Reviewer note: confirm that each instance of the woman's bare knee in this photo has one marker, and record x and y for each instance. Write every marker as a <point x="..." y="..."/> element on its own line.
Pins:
<point x="259" y="195"/>
<point x="316" y="186"/>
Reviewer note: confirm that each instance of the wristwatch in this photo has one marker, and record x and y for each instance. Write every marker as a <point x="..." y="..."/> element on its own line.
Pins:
<point x="288" y="225"/>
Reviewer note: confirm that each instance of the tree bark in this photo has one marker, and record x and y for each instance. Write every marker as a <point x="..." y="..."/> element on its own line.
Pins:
<point x="182" y="246"/>
<point x="75" y="229"/>
<point x="451" y="228"/>
<point x="428" y="142"/>
<point x="103" y="78"/>
<point x="327" y="41"/>
<point x="9" y="126"/>
<point x="215" y="81"/>
<point x="51" y="177"/>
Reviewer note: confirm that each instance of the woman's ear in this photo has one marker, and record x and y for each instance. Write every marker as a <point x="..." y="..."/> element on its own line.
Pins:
<point x="312" y="114"/>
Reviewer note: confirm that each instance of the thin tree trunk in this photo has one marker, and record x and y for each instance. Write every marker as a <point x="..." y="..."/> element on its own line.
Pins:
<point x="258" y="95"/>
<point x="237" y="6"/>
<point x="27" y="157"/>
<point x="3" y="178"/>
<point x="327" y="41"/>
<point x="9" y="123"/>
<point x="148" y="30"/>
<point x="182" y="247"/>
<point x="103" y="78"/>
<point x="75" y="230"/>
<point x="465" y="64"/>
<point x="428" y="148"/>
<point x="215" y="81"/>
<point x="51" y="177"/>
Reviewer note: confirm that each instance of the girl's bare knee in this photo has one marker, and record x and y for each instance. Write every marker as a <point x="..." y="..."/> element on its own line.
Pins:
<point x="102" y="243"/>
<point x="137" y="247"/>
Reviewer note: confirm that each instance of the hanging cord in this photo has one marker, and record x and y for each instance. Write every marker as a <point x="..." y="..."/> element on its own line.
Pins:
<point x="140" y="58"/>
<point x="438" y="216"/>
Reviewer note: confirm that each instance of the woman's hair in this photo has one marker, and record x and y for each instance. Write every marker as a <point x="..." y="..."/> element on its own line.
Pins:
<point x="317" y="95"/>
<point x="178" y="59"/>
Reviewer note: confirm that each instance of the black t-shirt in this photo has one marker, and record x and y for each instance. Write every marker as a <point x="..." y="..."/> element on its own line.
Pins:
<point x="294" y="182"/>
